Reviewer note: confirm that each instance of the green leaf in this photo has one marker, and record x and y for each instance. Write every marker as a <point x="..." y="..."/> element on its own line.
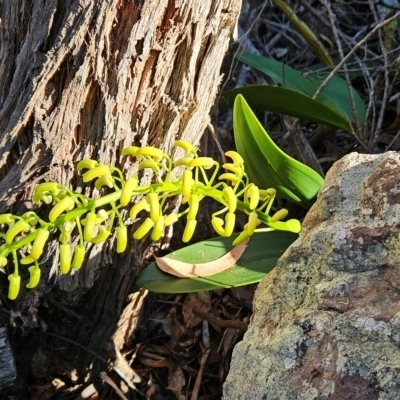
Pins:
<point x="260" y="257"/>
<point x="267" y="165"/>
<point x="286" y="101"/>
<point x="335" y="95"/>
<point x="338" y="90"/>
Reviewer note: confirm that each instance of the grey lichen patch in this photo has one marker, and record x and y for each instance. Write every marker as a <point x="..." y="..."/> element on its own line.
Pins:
<point x="326" y="322"/>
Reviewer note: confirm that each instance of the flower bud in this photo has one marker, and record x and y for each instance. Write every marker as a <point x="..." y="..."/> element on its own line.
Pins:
<point x="79" y="256"/>
<point x="105" y="180"/>
<point x="63" y="238"/>
<point x="52" y="187"/>
<point x="122" y="238"/>
<point x="205" y="162"/>
<point x="186" y="146"/>
<point x="158" y="229"/>
<point x="3" y="261"/>
<point x="15" y="284"/>
<point x="140" y="206"/>
<point x="30" y="217"/>
<point x="187" y="183"/>
<point x="194" y="201"/>
<point x="229" y="177"/>
<point x="39" y="243"/>
<point x="34" y="276"/>
<point x="101" y="236"/>
<point x="279" y="215"/>
<point x="230" y="198"/>
<point x="7" y="219"/>
<point x="218" y="225"/>
<point x="17" y="228"/>
<point x="27" y="260"/>
<point x="143" y="229"/>
<point x="170" y="219"/>
<point x="66" y="204"/>
<point x="267" y="193"/>
<point x="130" y="151"/>
<point x="69" y="226"/>
<point x="253" y="194"/>
<point x="148" y="164"/>
<point x="236" y="157"/>
<point x="183" y="161"/>
<point x="87" y="164"/>
<point x="230" y="219"/>
<point x="241" y="238"/>
<point x="46" y="197"/>
<point x="89" y="226"/>
<point x="127" y="190"/>
<point x="152" y="199"/>
<point x="189" y="230"/>
<point x="65" y="258"/>
<point x="150" y="151"/>
<point x="238" y="171"/>
<point x="102" y="215"/>
<point x="96" y="172"/>
<point x="252" y="223"/>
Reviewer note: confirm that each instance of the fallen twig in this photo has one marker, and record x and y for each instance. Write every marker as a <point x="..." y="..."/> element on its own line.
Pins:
<point x="242" y="326"/>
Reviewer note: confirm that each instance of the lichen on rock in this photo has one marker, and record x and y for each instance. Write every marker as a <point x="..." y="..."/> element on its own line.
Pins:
<point x="326" y="321"/>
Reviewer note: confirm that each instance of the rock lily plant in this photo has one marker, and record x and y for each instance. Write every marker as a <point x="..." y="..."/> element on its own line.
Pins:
<point x="82" y="221"/>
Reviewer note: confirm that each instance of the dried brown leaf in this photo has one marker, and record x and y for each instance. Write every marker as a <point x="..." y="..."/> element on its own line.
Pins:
<point x="188" y="270"/>
<point x="192" y="301"/>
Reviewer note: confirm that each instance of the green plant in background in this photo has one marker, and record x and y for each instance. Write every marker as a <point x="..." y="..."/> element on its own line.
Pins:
<point x="81" y="220"/>
<point x="297" y="96"/>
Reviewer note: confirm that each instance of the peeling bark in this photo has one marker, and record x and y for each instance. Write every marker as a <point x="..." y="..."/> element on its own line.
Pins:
<point x="83" y="79"/>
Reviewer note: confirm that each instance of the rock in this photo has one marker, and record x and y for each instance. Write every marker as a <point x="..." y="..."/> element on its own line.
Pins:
<point x="326" y="321"/>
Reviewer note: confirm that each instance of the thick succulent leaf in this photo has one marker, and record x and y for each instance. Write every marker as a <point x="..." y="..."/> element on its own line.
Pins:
<point x="267" y="165"/>
<point x="335" y="95"/>
<point x="260" y="257"/>
<point x="288" y="102"/>
<point x="338" y="90"/>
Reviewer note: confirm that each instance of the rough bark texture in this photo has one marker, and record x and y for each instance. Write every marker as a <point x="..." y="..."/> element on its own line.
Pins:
<point x="83" y="79"/>
<point x="8" y="371"/>
<point x="326" y="321"/>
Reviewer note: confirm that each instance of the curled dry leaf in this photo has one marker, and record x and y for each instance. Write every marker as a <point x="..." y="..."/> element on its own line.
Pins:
<point x="189" y="270"/>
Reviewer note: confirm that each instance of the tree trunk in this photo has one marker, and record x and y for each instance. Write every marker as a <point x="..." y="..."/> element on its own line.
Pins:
<point x="84" y="79"/>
